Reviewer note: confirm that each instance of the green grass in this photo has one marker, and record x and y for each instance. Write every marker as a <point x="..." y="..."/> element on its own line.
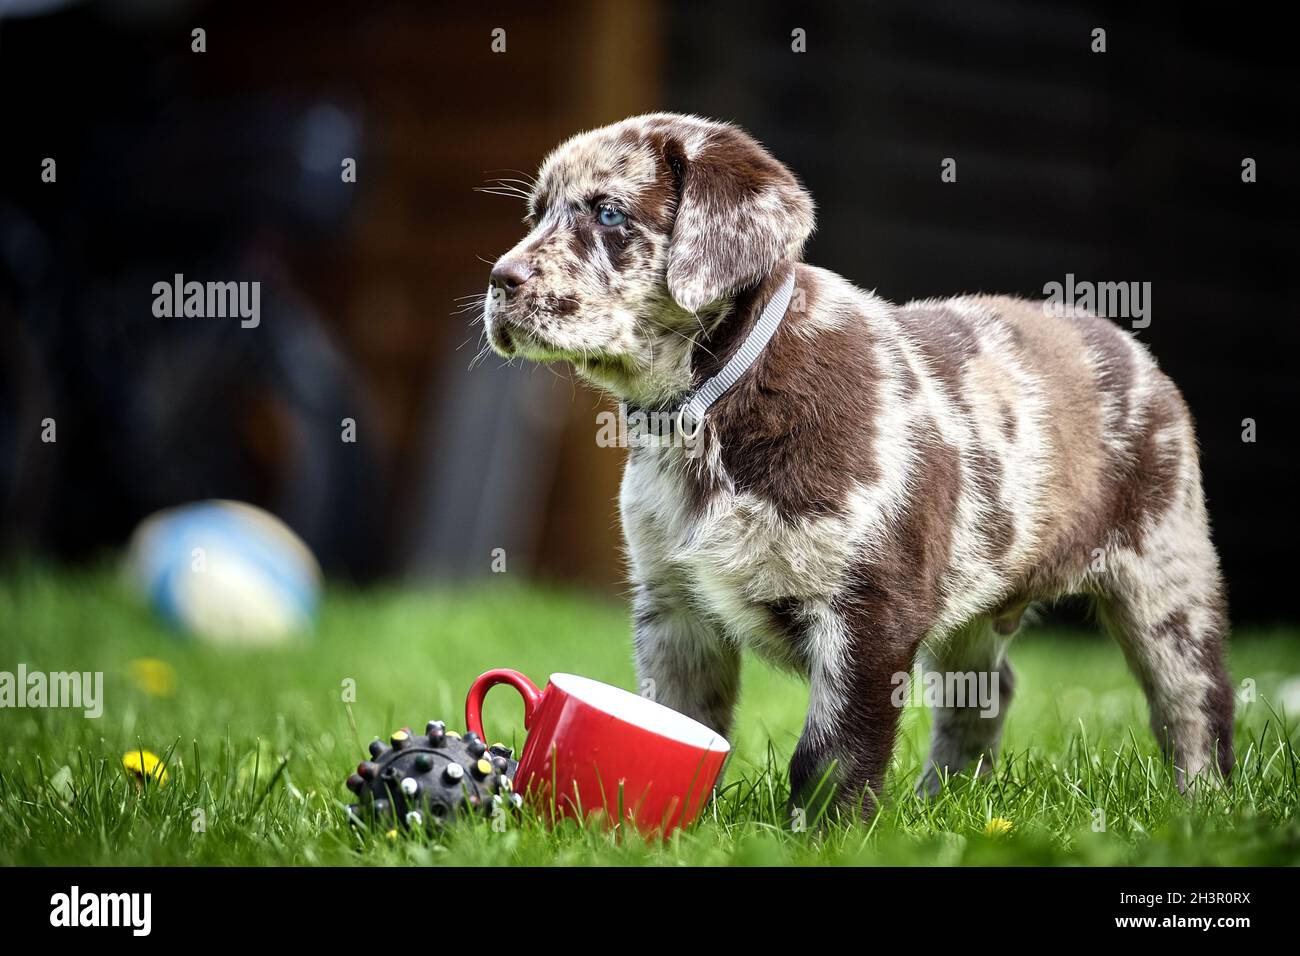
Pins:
<point x="261" y="741"/>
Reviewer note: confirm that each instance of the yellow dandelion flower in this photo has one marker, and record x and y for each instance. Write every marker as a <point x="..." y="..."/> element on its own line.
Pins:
<point x="141" y="764"/>
<point x="156" y="678"/>
<point x="998" y="826"/>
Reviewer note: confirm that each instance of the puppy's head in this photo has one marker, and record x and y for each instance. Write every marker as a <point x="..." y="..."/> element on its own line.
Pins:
<point x="638" y="232"/>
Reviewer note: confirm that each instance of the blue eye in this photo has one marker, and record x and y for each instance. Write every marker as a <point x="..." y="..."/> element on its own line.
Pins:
<point x="609" y="216"/>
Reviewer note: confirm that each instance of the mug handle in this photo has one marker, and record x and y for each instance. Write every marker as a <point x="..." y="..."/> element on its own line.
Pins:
<point x="502" y="675"/>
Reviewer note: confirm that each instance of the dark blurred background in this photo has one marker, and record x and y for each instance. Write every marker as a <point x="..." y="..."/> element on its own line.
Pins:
<point x="225" y="165"/>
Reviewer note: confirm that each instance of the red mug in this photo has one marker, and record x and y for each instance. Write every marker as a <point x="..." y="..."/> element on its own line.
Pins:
<point x="592" y="747"/>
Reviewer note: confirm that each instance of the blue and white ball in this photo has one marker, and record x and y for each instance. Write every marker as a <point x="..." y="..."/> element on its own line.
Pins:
<point x="226" y="572"/>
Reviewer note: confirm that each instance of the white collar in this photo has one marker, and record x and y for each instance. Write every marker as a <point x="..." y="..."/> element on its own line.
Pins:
<point x="695" y="406"/>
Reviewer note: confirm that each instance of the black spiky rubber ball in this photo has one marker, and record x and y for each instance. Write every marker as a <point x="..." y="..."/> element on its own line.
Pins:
<point x="432" y="780"/>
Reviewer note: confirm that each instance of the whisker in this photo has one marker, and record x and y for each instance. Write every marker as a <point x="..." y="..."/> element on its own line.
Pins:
<point x="689" y="338"/>
<point x="509" y="192"/>
<point x="507" y="183"/>
<point x="500" y="192"/>
<point x="482" y="353"/>
<point x="502" y="186"/>
<point x="529" y="176"/>
<point x="551" y="368"/>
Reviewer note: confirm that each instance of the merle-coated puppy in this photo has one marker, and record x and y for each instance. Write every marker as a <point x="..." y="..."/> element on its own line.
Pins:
<point x="884" y="481"/>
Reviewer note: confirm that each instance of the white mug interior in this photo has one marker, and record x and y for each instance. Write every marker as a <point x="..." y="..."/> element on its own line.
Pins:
<point x="641" y="712"/>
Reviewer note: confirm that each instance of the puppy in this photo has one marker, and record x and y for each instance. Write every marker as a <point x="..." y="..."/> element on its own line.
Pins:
<point x="882" y="483"/>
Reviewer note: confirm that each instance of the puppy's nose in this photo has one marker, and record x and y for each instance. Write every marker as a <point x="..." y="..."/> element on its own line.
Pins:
<point x="509" y="275"/>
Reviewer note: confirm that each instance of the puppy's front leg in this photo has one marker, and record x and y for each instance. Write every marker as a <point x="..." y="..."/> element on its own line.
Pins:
<point x="683" y="661"/>
<point x="848" y="735"/>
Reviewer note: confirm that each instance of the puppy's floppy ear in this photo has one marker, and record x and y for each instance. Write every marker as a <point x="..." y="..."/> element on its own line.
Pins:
<point x="740" y="212"/>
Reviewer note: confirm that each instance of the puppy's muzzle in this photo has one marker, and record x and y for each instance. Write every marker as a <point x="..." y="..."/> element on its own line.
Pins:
<point x="506" y="280"/>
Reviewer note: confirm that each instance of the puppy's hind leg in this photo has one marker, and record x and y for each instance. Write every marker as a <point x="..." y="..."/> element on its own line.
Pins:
<point x="1161" y="597"/>
<point x="978" y="682"/>
<point x="1166" y="609"/>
